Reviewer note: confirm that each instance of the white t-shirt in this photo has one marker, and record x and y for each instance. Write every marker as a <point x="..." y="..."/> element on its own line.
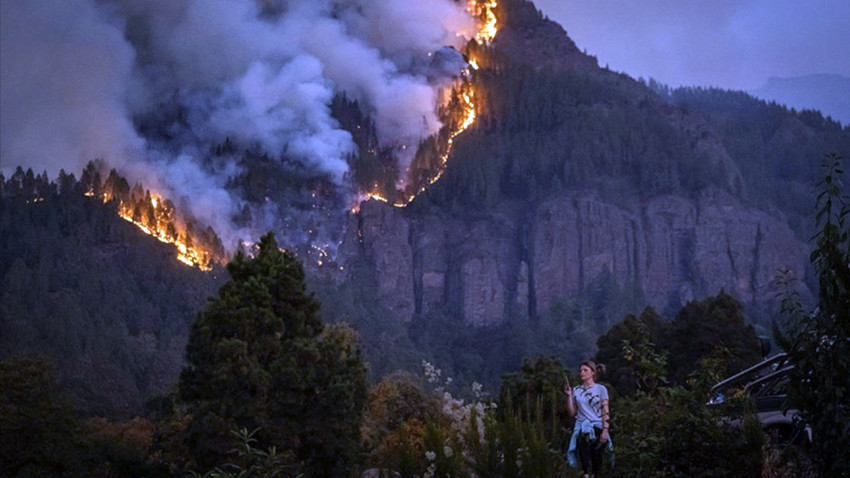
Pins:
<point x="589" y="402"/>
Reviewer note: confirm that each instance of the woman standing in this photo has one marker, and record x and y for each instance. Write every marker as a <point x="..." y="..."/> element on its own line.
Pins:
<point x="589" y="404"/>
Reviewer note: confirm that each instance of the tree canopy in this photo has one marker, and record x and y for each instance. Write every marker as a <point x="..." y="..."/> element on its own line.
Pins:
<point x="698" y="329"/>
<point x="259" y="356"/>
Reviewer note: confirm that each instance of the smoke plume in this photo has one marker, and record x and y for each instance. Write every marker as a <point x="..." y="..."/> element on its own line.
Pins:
<point x="80" y="76"/>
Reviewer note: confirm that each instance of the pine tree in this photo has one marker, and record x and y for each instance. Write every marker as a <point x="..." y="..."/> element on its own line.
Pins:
<point x="259" y="356"/>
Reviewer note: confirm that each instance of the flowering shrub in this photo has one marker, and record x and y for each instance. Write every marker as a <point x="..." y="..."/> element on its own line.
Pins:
<point x="465" y="438"/>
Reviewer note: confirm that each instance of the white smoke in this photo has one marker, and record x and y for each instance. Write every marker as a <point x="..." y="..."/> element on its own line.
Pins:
<point x="77" y="75"/>
<point x="65" y="72"/>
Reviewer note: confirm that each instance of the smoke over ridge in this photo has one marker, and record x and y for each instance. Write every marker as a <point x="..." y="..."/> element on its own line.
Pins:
<point x="78" y="74"/>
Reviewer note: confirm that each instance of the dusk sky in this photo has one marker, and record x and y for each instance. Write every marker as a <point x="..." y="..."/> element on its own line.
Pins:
<point x="735" y="44"/>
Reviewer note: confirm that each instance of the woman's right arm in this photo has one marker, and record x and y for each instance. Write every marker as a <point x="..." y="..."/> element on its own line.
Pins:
<point x="571" y="403"/>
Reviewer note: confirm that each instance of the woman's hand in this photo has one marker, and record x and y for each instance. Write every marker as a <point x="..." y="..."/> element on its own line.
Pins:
<point x="603" y="437"/>
<point x="568" y="391"/>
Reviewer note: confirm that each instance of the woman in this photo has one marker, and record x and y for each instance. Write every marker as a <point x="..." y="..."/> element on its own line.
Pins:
<point x="589" y="404"/>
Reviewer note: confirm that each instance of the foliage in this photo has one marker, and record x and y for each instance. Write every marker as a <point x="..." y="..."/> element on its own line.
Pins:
<point x="701" y="326"/>
<point x="121" y="449"/>
<point x="451" y="437"/>
<point x="259" y="356"/>
<point x="395" y="406"/>
<point x="698" y="328"/>
<point x="664" y="428"/>
<point x="536" y="387"/>
<point x="818" y="342"/>
<point x="629" y="352"/>
<point x="80" y="284"/>
<point x="671" y="431"/>
<point x="40" y="431"/>
<point x="252" y="462"/>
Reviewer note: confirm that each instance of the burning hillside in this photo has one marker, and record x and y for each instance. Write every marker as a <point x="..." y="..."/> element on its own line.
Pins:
<point x="157" y="217"/>
<point x="257" y="81"/>
<point x="458" y="112"/>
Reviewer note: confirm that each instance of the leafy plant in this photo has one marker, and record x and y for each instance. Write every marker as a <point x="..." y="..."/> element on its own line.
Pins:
<point x="818" y="342"/>
<point x="252" y="462"/>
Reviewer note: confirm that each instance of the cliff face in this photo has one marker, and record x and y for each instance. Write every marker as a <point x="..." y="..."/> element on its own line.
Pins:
<point x="553" y="122"/>
<point x="519" y="262"/>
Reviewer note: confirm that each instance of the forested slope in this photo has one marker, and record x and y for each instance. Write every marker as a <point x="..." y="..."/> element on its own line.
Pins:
<point x="551" y="120"/>
<point x="84" y="286"/>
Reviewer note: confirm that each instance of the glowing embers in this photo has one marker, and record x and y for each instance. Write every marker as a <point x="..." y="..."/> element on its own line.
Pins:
<point x="157" y="217"/>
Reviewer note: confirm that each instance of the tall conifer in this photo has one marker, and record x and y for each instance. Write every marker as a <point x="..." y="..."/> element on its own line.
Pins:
<point x="259" y="357"/>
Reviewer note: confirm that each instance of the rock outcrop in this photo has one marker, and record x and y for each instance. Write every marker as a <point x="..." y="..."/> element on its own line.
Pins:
<point x="509" y="264"/>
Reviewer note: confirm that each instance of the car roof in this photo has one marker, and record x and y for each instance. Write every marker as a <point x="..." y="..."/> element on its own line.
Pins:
<point x="760" y="372"/>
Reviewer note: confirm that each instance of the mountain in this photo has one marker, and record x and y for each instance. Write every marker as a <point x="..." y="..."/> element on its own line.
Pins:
<point x="82" y="285"/>
<point x="576" y="176"/>
<point x="829" y="94"/>
<point x="579" y="195"/>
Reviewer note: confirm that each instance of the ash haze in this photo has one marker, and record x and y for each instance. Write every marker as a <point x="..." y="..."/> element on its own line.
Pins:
<point x="731" y="44"/>
<point x="78" y="74"/>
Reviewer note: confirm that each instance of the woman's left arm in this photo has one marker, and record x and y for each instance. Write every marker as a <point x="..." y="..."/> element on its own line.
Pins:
<point x="603" y="437"/>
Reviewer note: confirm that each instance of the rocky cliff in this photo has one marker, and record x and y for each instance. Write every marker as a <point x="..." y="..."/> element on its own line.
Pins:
<point x="574" y="173"/>
<point x="517" y="262"/>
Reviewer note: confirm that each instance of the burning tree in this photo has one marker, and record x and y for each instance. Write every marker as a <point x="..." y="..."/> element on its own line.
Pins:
<point x="155" y="215"/>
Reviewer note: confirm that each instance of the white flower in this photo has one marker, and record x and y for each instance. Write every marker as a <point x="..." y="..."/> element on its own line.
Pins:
<point x="432" y="373"/>
<point x="447" y="450"/>
<point x="430" y="455"/>
<point x="476" y="389"/>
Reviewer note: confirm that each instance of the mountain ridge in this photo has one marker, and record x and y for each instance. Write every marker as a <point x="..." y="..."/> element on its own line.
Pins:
<point x="827" y="93"/>
<point x="689" y="162"/>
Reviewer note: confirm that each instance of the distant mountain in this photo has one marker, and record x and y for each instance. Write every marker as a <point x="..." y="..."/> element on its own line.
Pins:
<point x="830" y="94"/>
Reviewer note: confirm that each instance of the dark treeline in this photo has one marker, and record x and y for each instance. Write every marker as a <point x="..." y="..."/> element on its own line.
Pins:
<point x="84" y="286"/>
<point x="777" y="149"/>
<point x="260" y="360"/>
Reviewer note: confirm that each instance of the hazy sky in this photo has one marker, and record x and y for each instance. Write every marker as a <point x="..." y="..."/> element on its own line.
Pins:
<point x="735" y="44"/>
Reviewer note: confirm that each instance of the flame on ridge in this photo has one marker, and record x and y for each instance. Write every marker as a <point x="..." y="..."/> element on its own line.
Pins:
<point x="485" y="11"/>
<point x="156" y="216"/>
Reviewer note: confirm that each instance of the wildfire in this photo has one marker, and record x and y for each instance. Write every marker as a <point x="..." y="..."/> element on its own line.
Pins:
<point x="156" y="216"/>
<point x="486" y="10"/>
<point x="488" y="27"/>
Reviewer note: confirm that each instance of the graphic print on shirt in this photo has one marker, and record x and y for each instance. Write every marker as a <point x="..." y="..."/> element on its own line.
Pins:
<point x="592" y="399"/>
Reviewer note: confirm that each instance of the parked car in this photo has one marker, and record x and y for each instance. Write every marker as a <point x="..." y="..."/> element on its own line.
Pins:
<point x="765" y="384"/>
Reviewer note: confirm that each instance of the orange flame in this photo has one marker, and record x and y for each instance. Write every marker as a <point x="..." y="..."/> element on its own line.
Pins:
<point x="161" y="224"/>
<point x="485" y="12"/>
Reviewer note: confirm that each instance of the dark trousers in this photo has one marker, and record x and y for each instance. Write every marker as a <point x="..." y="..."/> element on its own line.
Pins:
<point x="590" y="453"/>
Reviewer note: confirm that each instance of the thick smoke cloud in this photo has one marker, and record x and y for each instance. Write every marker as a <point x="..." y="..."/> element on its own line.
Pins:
<point x="65" y="73"/>
<point x="78" y="74"/>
